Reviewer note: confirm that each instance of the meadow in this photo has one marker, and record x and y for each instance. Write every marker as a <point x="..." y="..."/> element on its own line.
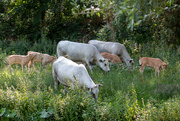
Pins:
<point x="125" y="95"/>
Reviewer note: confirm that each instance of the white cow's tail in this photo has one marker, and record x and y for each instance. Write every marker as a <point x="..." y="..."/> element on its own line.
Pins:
<point x="58" y="52"/>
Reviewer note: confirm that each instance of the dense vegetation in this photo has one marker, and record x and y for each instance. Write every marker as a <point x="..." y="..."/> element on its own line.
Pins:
<point x="146" y="27"/>
<point x="124" y="96"/>
<point x="80" y="20"/>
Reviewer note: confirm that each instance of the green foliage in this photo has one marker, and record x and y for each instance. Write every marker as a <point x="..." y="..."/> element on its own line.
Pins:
<point x="124" y="95"/>
<point x="24" y="45"/>
<point x="19" y="47"/>
<point x="44" y="45"/>
<point x="135" y="20"/>
<point x="2" y="111"/>
<point x="2" y="59"/>
<point x="39" y="26"/>
<point x="104" y="34"/>
<point x="46" y="114"/>
<point x="142" y="22"/>
<point x="4" y="44"/>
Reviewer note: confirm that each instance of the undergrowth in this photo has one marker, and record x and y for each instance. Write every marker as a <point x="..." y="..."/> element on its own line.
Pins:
<point x="125" y="95"/>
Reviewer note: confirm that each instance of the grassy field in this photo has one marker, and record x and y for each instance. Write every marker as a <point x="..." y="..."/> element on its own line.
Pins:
<point x="125" y="95"/>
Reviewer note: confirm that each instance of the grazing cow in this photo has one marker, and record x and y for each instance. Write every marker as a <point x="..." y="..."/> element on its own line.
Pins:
<point x="41" y="58"/>
<point x="20" y="59"/>
<point x="111" y="57"/>
<point x="69" y="73"/>
<point x="113" y="48"/>
<point x="156" y="63"/>
<point x="82" y="52"/>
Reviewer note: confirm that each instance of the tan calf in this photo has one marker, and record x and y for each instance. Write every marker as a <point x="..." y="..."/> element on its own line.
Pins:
<point x="20" y="59"/>
<point x="41" y="58"/>
<point x="155" y="63"/>
<point x="112" y="57"/>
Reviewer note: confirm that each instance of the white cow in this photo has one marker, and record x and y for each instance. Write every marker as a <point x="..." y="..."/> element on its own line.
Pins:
<point x="69" y="73"/>
<point x="113" y="48"/>
<point x="82" y="52"/>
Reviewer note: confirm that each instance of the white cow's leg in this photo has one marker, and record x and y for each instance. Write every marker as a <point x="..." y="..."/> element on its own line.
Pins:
<point x="55" y="80"/>
<point x="88" y="64"/>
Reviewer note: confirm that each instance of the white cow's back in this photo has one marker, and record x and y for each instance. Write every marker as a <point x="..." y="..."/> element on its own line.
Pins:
<point x="76" y="51"/>
<point x="71" y="71"/>
<point x="113" y="48"/>
<point x="82" y="52"/>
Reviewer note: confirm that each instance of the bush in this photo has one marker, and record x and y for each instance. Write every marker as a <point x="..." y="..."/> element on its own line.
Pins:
<point x="44" y="45"/>
<point x="19" y="47"/>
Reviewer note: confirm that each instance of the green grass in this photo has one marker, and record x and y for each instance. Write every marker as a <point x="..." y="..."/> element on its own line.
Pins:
<point x="125" y="95"/>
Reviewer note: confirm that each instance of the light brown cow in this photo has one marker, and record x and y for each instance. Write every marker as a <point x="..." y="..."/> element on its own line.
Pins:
<point x="20" y="59"/>
<point x="41" y="58"/>
<point x="156" y="63"/>
<point x="111" y="57"/>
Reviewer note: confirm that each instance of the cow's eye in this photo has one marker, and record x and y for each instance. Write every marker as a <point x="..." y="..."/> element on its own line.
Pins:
<point x="105" y="64"/>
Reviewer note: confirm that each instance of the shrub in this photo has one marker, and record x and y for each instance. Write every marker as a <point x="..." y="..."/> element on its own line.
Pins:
<point x="19" y="47"/>
<point x="44" y="45"/>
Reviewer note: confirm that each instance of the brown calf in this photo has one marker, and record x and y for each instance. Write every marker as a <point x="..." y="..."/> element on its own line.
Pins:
<point x="111" y="57"/>
<point x="155" y="63"/>
<point x="41" y="58"/>
<point x="20" y="59"/>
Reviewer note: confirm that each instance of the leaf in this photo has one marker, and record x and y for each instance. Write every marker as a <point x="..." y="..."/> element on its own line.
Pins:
<point x="158" y="9"/>
<point x="98" y="14"/>
<point x="129" y="25"/>
<point x="138" y="22"/>
<point x="44" y="114"/>
<point x="132" y="24"/>
<point x="10" y="113"/>
<point x="135" y="16"/>
<point x="145" y="16"/>
<point x="2" y="111"/>
<point x="50" y="111"/>
<point x="72" y="3"/>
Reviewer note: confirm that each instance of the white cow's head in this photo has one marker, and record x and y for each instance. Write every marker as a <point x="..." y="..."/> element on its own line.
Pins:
<point x="104" y="64"/>
<point x="130" y="62"/>
<point x="95" y="90"/>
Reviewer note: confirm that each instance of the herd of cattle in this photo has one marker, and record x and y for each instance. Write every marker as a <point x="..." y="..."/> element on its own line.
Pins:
<point x="67" y="72"/>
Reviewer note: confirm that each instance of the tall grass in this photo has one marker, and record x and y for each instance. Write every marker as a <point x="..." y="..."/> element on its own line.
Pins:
<point x="124" y="96"/>
<point x="23" y="45"/>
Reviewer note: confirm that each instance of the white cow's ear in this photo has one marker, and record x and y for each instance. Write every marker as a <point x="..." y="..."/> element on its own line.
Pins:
<point x="131" y="61"/>
<point x="100" y="85"/>
<point x="100" y="60"/>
